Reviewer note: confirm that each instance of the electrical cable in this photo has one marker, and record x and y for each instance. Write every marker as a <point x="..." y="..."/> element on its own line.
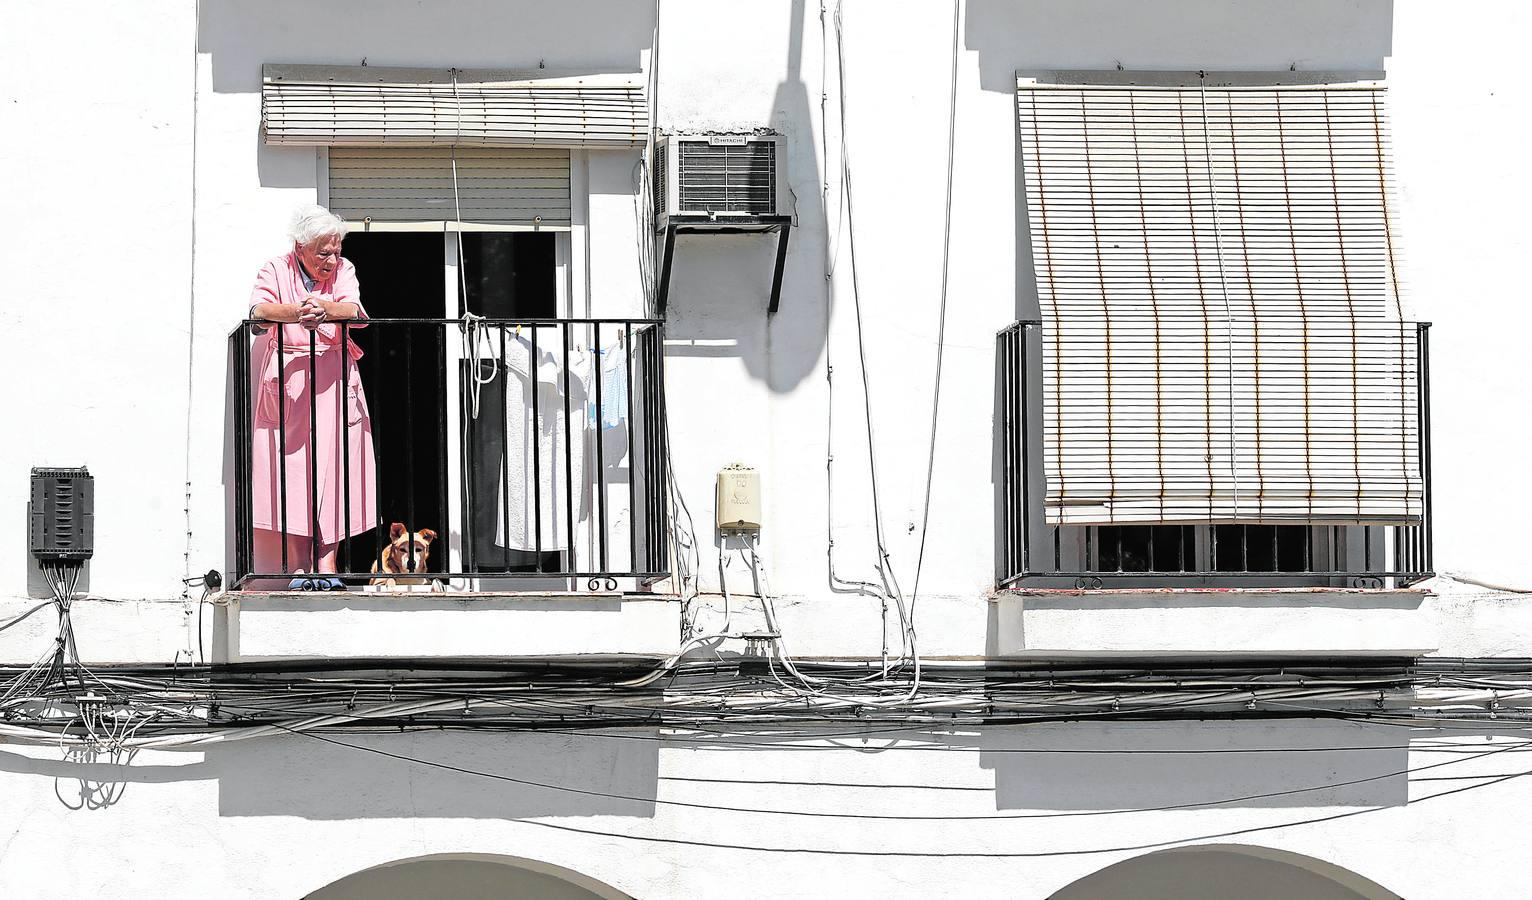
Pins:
<point x="889" y="590"/>
<point x="191" y="304"/>
<point x="837" y="583"/>
<point x="941" y="319"/>
<point x="1463" y="578"/>
<point x="19" y="619"/>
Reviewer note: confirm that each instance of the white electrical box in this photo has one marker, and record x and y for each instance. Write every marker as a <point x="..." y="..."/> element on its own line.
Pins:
<point x="738" y="502"/>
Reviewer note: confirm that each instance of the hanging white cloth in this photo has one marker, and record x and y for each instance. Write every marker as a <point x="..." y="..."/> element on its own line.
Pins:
<point x="546" y="493"/>
<point x="614" y="389"/>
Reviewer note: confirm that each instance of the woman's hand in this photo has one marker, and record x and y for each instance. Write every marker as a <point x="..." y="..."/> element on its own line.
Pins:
<point x="338" y="309"/>
<point x="311" y="312"/>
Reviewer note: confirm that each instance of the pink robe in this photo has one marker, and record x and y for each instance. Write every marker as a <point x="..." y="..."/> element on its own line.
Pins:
<point x="340" y="456"/>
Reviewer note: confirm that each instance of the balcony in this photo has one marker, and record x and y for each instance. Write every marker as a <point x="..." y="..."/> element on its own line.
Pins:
<point x="514" y="455"/>
<point x="1346" y="419"/>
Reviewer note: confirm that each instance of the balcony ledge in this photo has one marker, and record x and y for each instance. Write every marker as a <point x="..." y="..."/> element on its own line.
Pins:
<point x="262" y="625"/>
<point x="1214" y="621"/>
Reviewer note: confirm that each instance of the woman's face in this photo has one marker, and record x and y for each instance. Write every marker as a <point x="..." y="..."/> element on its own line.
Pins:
<point x="320" y="257"/>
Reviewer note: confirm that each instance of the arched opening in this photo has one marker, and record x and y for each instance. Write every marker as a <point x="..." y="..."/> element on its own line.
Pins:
<point x="1224" y="872"/>
<point x="467" y="876"/>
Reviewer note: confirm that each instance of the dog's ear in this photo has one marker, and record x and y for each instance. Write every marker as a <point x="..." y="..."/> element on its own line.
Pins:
<point x="427" y="535"/>
<point x="396" y="531"/>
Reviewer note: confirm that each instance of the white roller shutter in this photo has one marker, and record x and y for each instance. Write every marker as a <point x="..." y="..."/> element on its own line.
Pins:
<point x="398" y="188"/>
<point x="376" y="106"/>
<point x="1223" y="338"/>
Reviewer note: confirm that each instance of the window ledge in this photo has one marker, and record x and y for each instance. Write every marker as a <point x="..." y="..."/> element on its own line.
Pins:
<point x="1214" y="621"/>
<point x="1216" y="591"/>
<point x="257" y="625"/>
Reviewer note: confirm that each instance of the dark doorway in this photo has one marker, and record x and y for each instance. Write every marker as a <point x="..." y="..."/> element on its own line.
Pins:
<point x="403" y="371"/>
<point x="506" y="275"/>
<point x="510" y="275"/>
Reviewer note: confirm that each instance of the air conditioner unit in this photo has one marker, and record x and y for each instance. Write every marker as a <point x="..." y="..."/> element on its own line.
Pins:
<point x="722" y="178"/>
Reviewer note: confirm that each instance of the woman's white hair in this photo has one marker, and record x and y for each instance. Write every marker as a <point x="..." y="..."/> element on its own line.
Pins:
<point x="312" y="222"/>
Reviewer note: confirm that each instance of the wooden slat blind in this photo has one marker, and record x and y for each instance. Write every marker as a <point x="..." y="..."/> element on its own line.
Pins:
<point x="376" y="106"/>
<point x="412" y="188"/>
<point x="1223" y="334"/>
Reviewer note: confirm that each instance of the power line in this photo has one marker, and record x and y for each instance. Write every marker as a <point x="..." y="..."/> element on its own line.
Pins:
<point x="941" y="321"/>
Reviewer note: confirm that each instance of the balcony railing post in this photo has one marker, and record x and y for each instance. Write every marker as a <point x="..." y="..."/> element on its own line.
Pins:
<point x="569" y="505"/>
<point x="378" y="537"/>
<point x="313" y="457"/>
<point x="443" y="495"/>
<point x="662" y="429"/>
<point x="1023" y="406"/>
<point x="627" y="362"/>
<point x="505" y="457"/>
<point x="244" y="414"/>
<point x="409" y="442"/>
<point x="282" y="437"/>
<point x="537" y="455"/>
<point x="1427" y="510"/>
<point x="600" y="484"/>
<point x="343" y="415"/>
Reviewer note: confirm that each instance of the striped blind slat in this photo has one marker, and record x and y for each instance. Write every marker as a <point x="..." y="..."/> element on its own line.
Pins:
<point x="496" y="187"/>
<point x="372" y="106"/>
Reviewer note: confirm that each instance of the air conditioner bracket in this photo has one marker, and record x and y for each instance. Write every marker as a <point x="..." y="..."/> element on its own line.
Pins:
<point x="780" y="225"/>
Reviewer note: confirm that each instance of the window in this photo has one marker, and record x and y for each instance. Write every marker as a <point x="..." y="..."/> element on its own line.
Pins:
<point x="1220" y="379"/>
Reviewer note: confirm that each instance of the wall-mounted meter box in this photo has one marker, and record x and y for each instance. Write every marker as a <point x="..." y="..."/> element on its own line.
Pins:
<point x="738" y="501"/>
<point x="63" y="512"/>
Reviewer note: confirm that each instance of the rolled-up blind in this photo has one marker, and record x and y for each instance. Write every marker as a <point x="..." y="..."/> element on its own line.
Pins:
<point x="411" y="188"/>
<point x="1223" y="339"/>
<point x="378" y="106"/>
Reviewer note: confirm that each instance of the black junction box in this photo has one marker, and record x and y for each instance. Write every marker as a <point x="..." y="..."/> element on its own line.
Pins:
<point x="63" y="514"/>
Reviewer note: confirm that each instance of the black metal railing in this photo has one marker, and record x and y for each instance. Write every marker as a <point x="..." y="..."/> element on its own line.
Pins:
<point x="1032" y="551"/>
<point x="530" y="448"/>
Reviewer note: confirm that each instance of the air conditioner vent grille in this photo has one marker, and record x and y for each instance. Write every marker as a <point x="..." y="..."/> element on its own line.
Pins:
<point x="657" y="177"/>
<point x="739" y="179"/>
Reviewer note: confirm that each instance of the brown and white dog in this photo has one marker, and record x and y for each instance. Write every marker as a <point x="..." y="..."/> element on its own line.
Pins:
<point x="404" y="557"/>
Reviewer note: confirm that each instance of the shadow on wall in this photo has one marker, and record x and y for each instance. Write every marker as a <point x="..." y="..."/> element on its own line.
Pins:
<point x="1185" y="35"/>
<point x="720" y="285"/>
<point x="311" y="778"/>
<point x="1190" y="765"/>
<point x="569" y="38"/>
<point x="575" y="36"/>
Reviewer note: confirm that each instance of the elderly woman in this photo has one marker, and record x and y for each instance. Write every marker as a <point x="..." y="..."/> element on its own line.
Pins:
<point x="313" y="470"/>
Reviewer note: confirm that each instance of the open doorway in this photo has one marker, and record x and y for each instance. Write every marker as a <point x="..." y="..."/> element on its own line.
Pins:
<point x="506" y="275"/>
<point x="403" y="373"/>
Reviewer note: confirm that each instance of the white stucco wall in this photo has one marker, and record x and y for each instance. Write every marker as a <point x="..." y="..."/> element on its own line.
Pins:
<point x="139" y="206"/>
<point x="282" y="818"/>
<point x="742" y="387"/>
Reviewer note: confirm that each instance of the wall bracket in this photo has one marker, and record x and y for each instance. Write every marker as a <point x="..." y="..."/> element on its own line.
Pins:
<point x="674" y="225"/>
